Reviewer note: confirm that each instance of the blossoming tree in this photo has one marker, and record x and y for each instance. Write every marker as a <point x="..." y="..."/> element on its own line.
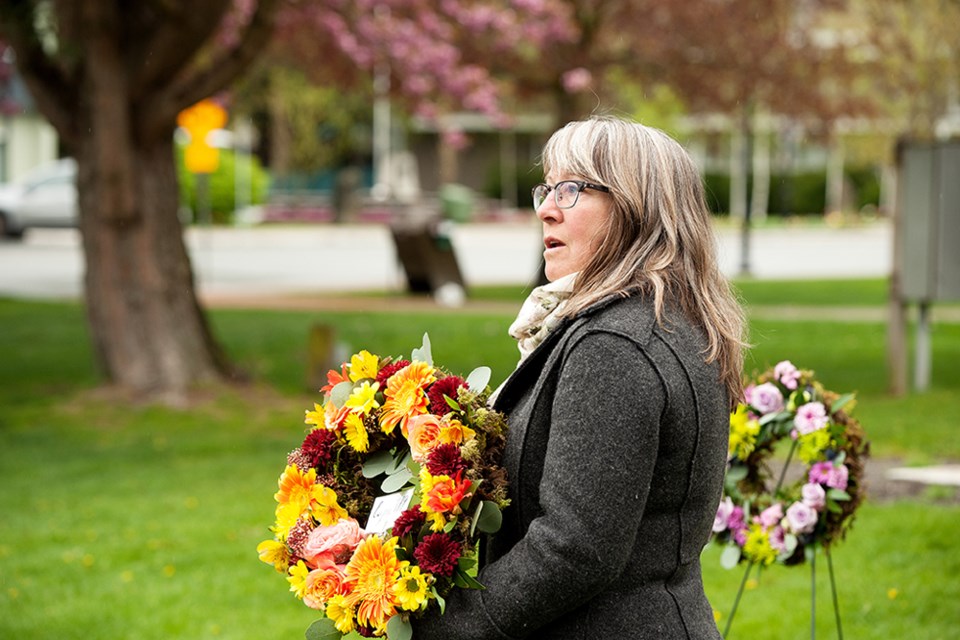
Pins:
<point x="111" y="78"/>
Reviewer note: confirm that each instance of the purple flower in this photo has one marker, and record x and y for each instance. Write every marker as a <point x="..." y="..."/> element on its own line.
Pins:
<point x="787" y="374"/>
<point x="814" y="496"/>
<point x="723" y="515"/>
<point x="801" y="517"/>
<point x="770" y="516"/>
<point x="810" y="417"/>
<point x="826" y="473"/>
<point x="765" y="398"/>
<point x="736" y="522"/>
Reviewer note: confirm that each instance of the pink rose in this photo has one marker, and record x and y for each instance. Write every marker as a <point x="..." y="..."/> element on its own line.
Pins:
<point x="771" y="516"/>
<point x="778" y="540"/>
<point x="787" y="374"/>
<point x="814" y="496"/>
<point x="801" y="517"/>
<point x="765" y="398"/>
<point x="723" y="515"/>
<point x="333" y="545"/>
<point x="810" y="417"/>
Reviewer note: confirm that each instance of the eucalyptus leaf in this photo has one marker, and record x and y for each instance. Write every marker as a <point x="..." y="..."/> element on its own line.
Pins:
<point x="478" y="379"/>
<point x="323" y="629"/>
<point x="489" y="518"/>
<point x="340" y="393"/>
<point x="730" y="556"/>
<point x="398" y="462"/>
<point x="376" y="464"/>
<point x="840" y="459"/>
<point x="423" y="353"/>
<point x="396" y="481"/>
<point x="398" y="628"/>
<point x="775" y="417"/>
<point x="842" y="401"/>
<point x="465" y="581"/>
<point x="440" y="601"/>
<point x="450" y="526"/>
<point x="736" y="473"/>
<point x="468" y="564"/>
<point x="838" y="494"/>
<point x="789" y="545"/>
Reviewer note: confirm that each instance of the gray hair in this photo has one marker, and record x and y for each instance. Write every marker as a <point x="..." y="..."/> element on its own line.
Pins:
<point x="660" y="240"/>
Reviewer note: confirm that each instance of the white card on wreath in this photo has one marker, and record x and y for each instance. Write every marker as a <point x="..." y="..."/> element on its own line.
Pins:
<point x="386" y="509"/>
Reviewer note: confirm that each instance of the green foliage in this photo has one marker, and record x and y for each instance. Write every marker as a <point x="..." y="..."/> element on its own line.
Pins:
<point x="221" y="193"/>
<point x="797" y="193"/>
<point x="526" y="179"/>
<point x="158" y="511"/>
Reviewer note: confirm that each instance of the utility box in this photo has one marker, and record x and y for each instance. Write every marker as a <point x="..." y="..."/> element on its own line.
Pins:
<point x="929" y="230"/>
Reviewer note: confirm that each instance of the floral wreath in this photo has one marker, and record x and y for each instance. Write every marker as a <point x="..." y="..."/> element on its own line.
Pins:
<point x="409" y="452"/>
<point x="786" y="523"/>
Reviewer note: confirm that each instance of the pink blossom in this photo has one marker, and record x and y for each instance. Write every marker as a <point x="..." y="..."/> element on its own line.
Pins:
<point x="814" y="496"/>
<point x="770" y="516"/>
<point x="801" y="517"/>
<point x="736" y="522"/>
<point x="723" y="515"/>
<point x="577" y="80"/>
<point x="787" y="374"/>
<point x="332" y="545"/>
<point x="810" y="417"/>
<point x="833" y="476"/>
<point x="765" y="398"/>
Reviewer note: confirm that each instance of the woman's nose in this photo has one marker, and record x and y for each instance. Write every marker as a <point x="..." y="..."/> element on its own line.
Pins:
<point x="548" y="210"/>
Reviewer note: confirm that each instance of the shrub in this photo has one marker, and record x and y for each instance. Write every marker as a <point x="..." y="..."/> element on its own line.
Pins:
<point x="221" y="194"/>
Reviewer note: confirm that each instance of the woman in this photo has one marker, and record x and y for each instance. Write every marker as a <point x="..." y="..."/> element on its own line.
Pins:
<point x="618" y="410"/>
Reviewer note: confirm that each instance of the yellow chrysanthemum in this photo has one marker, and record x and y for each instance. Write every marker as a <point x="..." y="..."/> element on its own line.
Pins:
<point x="757" y="546"/>
<point x="363" y="365"/>
<point x="810" y="447"/>
<point x="298" y="578"/>
<point x="275" y="553"/>
<point x="363" y="400"/>
<point x="405" y="396"/>
<point x="373" y="570"/>
<point x="356" y="433"/>
<point x="743" y="433"/>
<point x="455" y="432"/>
<point x="342" y="614"/>
<point x="326" y="509"/>
<point x="315" y="417"/>
<point x="411" y="588"/>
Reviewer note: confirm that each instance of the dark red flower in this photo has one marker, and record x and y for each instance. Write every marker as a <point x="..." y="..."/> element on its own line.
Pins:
<point x="316" y="446"/>
<point x="438" y="554"/>
<point x="446" y="460"/>
<point x="444" y="387"/>
<point x="384" y="374"/>
<point x="410" y="522"/>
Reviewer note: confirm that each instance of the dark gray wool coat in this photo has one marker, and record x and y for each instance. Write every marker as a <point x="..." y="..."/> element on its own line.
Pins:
<point x="616" y="455"/>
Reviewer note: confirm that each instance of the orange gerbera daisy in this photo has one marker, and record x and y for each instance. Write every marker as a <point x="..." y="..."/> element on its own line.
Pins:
<point x="373" y="571"/>
<point x="405" y="395"/>
<point x="441" y="494"/>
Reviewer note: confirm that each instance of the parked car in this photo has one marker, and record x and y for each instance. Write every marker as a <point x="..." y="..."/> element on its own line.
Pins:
<point x="45" y="197"/>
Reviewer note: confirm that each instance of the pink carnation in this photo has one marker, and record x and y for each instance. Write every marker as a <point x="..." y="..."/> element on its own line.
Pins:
<point x="771" y="516"/>
<point x="765" y="398"/>
<point x="811" y="417"/>
<point x="827" y="473"/>
<point x="332" y="545"/>
<point x="787" y="374"/>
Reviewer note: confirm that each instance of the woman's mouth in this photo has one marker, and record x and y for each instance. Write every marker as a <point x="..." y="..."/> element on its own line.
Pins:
<point x="551" y="243"/>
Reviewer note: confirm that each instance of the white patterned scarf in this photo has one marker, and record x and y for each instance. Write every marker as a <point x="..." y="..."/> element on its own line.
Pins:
<point x="540" y="314"/>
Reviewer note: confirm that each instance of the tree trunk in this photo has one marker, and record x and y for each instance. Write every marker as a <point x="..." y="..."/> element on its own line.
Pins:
<point x="149" y="332"/>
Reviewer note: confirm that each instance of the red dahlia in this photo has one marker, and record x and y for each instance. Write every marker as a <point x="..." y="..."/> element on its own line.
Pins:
<point x="444" y="387"/>
<point x="409" y="521"/>
<point x="438" y="554"/>
<point x="446" y="460"/>
<point x="384" y="374"/>
<point x="316" y="446"/>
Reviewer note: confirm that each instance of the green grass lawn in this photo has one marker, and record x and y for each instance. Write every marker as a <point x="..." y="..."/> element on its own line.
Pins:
<point x="123" y="521"/>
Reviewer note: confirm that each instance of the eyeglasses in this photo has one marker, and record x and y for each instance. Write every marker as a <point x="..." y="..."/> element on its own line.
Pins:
<point x="565" y="193"/>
